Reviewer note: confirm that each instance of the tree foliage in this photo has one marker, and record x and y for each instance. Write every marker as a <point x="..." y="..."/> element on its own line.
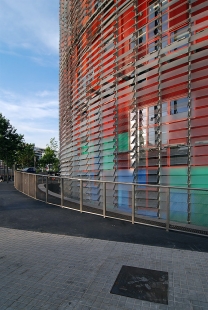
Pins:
<point x="53" y="145"/>
<point x="25" y="155"/>
<point x="10" y="142"/>
<point x="50" y="158"/>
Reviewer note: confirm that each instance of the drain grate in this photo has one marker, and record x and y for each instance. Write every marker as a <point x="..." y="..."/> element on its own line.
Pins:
<point x="189" y="229"/>
<point x="144" y="284"/>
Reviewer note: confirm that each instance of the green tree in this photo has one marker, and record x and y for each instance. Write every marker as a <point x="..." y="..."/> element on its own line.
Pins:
<point x="50" y="158"/>
<point x="53" y="144"/>
<point x="10" y="142"/>
<point x="25" y="155"/>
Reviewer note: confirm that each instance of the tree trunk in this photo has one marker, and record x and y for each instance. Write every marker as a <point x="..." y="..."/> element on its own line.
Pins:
<point x="7" y="171"/>
<point x="4" y="171"/>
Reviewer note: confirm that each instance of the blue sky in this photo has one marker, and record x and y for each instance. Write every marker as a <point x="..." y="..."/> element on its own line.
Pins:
<point x="29" y="60"/>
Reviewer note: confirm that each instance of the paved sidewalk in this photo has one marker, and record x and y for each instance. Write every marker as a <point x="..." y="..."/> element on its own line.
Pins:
<point x="48" y="271"/>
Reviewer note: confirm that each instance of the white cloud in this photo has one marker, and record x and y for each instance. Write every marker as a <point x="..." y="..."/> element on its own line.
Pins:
<point x="30" y="30"/>
<point x="46" y="93"/>
<point x="30" y="24"/>
<point x="35" y="115"/>
<point x="45" y="61"/>
<point x="37" y="105"/>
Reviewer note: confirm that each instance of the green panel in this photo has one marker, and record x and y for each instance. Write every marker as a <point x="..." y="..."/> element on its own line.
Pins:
<point x="108" y="166"/>
<point x="107" y="145"/>
<point x="199" y="177"/>
<point x="107" y="140"/>
<point x="108" y="159"/>
<point x="203" y="170"/>
<point x="84" y="149"/>
<point x="123" y="142"/>
<point x="178" y="198"/>
<point x="199" y="199"/>
<point x="107" y="152"/>
<point x="178" y="176"/>
<point x="199" y="219"/>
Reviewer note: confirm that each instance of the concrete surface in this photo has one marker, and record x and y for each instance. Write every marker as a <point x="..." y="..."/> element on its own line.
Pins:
<point x="49" y="271"/>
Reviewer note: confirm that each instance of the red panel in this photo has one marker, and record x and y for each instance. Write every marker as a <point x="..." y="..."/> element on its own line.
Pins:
<point x="178" y="13"/>
<point x="142" y="10"/>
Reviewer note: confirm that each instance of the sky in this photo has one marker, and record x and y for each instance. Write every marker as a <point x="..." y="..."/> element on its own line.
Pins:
<point x="29" y="68"/>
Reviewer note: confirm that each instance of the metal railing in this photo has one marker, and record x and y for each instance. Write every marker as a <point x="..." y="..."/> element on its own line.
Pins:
<point x="156" y="205"/>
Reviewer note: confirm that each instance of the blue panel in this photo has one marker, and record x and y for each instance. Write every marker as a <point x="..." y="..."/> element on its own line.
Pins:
<point x="142" y="176"/>
<point x="124" y="191"/>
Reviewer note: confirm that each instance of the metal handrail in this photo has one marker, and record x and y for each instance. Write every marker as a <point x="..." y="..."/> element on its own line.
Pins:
<point x="104" y="201"/>
<point x="124" y="183"/>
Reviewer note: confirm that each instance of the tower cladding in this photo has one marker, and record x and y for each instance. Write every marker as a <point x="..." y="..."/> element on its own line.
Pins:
<point x="134" y="103"/>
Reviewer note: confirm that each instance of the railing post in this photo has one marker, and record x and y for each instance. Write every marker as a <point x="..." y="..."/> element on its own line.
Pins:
<point x="189" y="207"/>
<point x="46" y="189"/>
<point x="62" y="192"/>
<point x="168" y="210"/>
<point x="81" y="196"/>
<point x="35" y="186"/>
<point x="23" y="189"/>
<point x="133" y="204"/>
<point x="23" y="182"/>
<point x="28" y="181"/>
<point x="104" y="199"/>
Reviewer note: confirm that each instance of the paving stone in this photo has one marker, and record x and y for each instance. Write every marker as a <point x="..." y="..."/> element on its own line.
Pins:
<point x="47" y="271"/>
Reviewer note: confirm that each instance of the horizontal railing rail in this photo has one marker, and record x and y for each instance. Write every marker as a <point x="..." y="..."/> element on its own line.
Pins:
<point x="124" y="183"/>
<point x="164" y="206"/>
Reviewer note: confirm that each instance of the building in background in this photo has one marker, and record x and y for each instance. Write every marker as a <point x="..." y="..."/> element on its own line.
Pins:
<point x="39" y="152"/>
<point x="134" y="102"/>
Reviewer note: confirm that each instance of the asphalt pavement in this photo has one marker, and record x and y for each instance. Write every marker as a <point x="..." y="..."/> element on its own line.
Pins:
<point x="18" y="211"/>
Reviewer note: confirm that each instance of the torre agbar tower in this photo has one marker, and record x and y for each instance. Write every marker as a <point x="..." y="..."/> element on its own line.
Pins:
<point x="134" y="103"/>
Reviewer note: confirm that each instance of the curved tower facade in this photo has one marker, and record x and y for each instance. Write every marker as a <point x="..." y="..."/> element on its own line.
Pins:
<point x="134" y="101"/>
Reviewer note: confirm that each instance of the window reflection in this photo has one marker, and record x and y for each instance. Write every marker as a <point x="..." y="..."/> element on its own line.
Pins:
<point x="164" y="22"/>
<point x="164" y="2"/>
<point x="153" y="26"/>
<point x="164" y="41"/>
<point x="109" y="43"/>
<point x="179" y="155"/>
<point x="179" y="35"/>
<point x="143" y="117"/>
<point x="153" y="47"/>
<point x="142" y="35"/>
<point x="142" y="124"/>
<point x="164" y="109"/>
<point x="152" y="136"/>
<point x="97" y="4"/>
<point x="90" y="76"/>
<point x="132" y="42"/>
<point x="153" y="112"/>
<point x="179" y="106"/>
<point x="153" y="30"/>
<point x="153" y="9"/>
